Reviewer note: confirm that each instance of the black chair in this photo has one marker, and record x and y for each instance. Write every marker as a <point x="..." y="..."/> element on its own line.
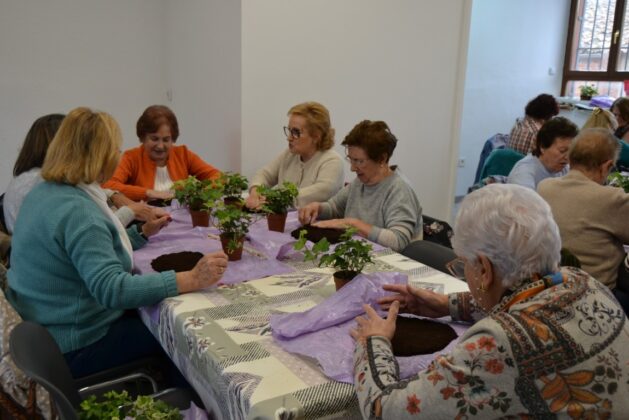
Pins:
<point x="431" y="254"/>
<point x="36" y="353"/>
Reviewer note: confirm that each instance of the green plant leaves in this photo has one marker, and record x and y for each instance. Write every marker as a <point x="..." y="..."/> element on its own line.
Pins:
<point x="279" y="198"/>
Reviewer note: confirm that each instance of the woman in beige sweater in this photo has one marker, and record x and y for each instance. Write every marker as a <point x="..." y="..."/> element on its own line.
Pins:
<point x="309" y="162"/>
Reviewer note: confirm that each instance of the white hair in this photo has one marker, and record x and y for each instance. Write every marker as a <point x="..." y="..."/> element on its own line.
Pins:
<point x="513" y="227"/>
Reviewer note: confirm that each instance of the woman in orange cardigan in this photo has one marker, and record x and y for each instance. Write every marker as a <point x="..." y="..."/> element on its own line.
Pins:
<point x="148" y="172"/>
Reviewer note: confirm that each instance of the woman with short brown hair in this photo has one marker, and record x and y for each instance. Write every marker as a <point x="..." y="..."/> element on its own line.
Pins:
<point x="149" y="171"/>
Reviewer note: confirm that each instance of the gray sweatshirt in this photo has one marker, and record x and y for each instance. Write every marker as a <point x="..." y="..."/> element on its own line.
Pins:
<point x="390" y="206"/>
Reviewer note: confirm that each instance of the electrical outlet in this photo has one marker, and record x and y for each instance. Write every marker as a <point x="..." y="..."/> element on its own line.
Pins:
<point x="461" y="163"/>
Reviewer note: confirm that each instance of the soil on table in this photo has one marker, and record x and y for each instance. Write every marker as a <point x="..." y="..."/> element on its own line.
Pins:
<point x="415" y="336"/>
<point x="315" y="234"/>
<point x="178" y="261"/>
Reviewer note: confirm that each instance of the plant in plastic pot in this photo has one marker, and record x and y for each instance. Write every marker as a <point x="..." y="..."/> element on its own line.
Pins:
<point x="349" y="257"/>
<point x="233" y="223"/>
<point x="199" y="196"/>
<point x="233" y="185"/>
<point x="277" y="202"/>
<point x="587" y="91"/>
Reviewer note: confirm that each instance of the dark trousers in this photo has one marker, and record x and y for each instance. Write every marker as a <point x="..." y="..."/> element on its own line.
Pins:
<point x="622" y="287"/>
<point x="127" y="340"/>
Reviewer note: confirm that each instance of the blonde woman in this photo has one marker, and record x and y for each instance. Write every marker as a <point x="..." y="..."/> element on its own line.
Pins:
<point x="309" y="162"/>
<point x="601" y="118"/>
<point x="71" y="258"/>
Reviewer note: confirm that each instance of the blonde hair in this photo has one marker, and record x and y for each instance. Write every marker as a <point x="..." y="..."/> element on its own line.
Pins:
<point x="317" y="120"/>
<point x="601" y="118"/>
<point x="85" y="149"/>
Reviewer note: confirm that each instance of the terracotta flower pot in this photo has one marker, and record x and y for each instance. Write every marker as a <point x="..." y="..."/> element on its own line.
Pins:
<point x="233" y="201"/>
<point x="236" y="254"/>
<point x="200" y="218"/>
<point x="586" y="97"/>
<point x="341" y="278"/>
<point x="276" y="221"/>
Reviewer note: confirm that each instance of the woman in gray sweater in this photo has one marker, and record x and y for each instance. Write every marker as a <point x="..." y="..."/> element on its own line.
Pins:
<point x="379" y="202"/>
<point x="309" y="162"/>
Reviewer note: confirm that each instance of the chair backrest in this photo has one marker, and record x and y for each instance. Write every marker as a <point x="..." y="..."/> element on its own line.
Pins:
<point x="430" y="253"/>
<point x="500" y="162"/>
<point x="497" y="141"/>
<point x="35" y="351"/>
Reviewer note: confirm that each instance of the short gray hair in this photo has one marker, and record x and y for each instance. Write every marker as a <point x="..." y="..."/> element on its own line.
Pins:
<point x="513" y="227"/>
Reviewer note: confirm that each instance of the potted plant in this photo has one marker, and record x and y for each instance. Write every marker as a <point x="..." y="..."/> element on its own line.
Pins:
<point x="233" y="223"/>
<point x="198" y="196"/>
<point x="349" y="257"/>
<point x="120" y="405"/>
<point x="587" y="91"/>
<point x="233" y="185"/>
<point x="277" y="202"/>
<point x="617" y="179"/>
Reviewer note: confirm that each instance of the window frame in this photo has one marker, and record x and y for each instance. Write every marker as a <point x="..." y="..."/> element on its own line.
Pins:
<point x="611" y="74"/>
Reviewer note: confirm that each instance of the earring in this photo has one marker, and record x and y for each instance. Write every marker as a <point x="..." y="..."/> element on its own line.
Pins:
<point x="481" y="288"/>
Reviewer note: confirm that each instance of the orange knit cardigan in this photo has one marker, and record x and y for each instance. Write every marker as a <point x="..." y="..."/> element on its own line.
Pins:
<point x="136" y="171"/>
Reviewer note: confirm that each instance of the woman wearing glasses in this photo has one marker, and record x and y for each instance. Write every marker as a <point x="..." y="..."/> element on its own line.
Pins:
<point x="545" y="344"/>
<point x="309" y="162"/>
<point x="379" y="202"/>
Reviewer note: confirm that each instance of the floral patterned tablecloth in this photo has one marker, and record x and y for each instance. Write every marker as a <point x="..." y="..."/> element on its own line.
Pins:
<point x="221" y="340"/>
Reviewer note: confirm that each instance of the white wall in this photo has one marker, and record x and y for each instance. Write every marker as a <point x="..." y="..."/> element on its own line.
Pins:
<point x="512" y="45"/>
<point x="55" y="56"/>
<point x="364" y="59"/>
<point x="203" y="62"/>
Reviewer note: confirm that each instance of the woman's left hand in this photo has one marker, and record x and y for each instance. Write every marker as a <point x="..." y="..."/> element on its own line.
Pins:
<point x="374" y="325"/>
<point x="151" y="227"/>
<point x="341" y="224"/>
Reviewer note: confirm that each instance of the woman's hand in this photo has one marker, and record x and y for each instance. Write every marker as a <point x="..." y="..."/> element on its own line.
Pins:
<point x="151" y="227"/>
<point x="415" y="300"/>
<point x="159" y="195"/>
<point x="255" y="200"/>
<point x="340" y="224"/>
<point x="374" y="325"/>
<point x="308" y="214"/>
<point x="206" y="272"/>
<point x="146" y="213"/>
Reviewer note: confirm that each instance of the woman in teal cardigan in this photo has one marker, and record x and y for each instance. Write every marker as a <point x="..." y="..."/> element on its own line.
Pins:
<point x="71" y="257"/>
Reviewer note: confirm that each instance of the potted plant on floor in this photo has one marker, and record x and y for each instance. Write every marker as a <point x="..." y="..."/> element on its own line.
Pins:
<point x="277" y="202"/>
<point x="233" y="223"/>
<point x="233" y="185"/>
<point x="199" y="197"/>
<point x="587" y="91"/>
<point x="349" y="257"/>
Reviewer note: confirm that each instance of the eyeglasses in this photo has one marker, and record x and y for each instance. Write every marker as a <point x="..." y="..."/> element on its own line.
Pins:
<point x="356" y="162"/>
<point x="293" y="133"/>
<point x="456" y="267"/>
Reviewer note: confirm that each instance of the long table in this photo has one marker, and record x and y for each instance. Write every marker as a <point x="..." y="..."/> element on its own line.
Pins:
<point x="221" y="340"/>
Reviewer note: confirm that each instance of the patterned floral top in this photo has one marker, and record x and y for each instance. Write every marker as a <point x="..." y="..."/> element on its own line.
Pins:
<point x="523" y="135"/>
<point x="563" y="351"/>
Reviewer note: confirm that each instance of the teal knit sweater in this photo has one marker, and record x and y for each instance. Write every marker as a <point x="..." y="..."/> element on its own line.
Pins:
<point x="69" y="271"/>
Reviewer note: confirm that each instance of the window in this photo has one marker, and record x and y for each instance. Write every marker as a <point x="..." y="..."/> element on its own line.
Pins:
<point x="597" y="47"/>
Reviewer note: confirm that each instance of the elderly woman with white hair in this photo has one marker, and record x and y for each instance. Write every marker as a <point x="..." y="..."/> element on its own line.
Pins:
<point x="546" y="342"/>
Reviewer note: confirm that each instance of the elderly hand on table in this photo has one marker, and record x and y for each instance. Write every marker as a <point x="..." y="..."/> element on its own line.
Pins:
<point x="415" y="300"/>
<point x="206" y="273"/>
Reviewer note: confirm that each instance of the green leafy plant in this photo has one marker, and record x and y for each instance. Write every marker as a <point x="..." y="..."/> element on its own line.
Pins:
<point x="233" y="184"/>
<point x="279" y="198"/>
<point x="619" y="180"/>
<point x="196" y="194"/>
<point x="119" y="405"/>
<point x="232" y="222"/>
<point x="588" y="90"/>
<point x="349" y="255"/>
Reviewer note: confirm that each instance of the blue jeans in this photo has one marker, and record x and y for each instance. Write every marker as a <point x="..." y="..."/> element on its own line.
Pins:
<point x="126" y="341"/>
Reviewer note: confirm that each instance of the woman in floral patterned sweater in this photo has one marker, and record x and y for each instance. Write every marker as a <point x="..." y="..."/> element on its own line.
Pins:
<point x="546" y="342"/>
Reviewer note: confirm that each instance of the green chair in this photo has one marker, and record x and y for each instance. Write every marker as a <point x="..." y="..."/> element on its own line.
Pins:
<point x="500" y="162"/>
